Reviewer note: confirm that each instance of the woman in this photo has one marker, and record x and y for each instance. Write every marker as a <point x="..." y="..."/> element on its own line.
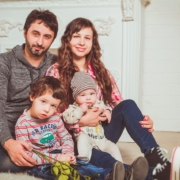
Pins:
<point x="80" y="51"/>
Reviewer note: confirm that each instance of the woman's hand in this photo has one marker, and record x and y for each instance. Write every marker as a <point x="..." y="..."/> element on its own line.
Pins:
<point x="107" y="114"/>
<point x="92" y="117"/>
<point x="147" y="123"/>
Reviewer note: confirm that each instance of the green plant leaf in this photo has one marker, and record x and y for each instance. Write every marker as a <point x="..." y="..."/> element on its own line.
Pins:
<point x="64" y="170"/>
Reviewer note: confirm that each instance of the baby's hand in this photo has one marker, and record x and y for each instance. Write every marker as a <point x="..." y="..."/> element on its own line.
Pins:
<point x="84" y="107"/>
<point x="107" y="114"/>
<point x="68" y="158"/>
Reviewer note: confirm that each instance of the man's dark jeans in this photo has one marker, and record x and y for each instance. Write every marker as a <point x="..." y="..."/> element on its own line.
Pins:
<point x="7" y="164"/>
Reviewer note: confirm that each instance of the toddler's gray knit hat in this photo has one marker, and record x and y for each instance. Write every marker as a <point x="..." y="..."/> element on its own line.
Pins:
<point x="80" y="82"/>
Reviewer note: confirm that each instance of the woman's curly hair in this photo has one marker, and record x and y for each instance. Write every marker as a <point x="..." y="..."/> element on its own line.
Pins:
<point x="65" y="60"/>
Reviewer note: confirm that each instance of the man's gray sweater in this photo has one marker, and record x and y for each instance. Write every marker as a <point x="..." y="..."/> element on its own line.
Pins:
<point x="16" y="77"/>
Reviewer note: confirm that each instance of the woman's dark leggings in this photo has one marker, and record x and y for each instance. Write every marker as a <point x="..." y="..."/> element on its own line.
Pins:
<point x="124" y="115"/>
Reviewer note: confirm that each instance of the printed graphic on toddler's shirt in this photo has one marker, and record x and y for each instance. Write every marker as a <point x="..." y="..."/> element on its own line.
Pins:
<point x="47" y="138"/>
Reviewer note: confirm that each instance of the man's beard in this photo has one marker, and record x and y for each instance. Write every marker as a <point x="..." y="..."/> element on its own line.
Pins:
<point x="34" y="52"/>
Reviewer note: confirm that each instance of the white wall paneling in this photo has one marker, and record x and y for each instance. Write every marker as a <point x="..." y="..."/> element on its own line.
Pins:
<point x="161" y="65"/>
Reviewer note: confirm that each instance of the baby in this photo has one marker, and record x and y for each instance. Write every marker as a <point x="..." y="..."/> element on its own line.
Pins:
<point x="84" y="93"/>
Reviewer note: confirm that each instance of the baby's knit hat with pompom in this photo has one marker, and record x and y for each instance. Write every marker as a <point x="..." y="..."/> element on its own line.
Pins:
<point x="80" y="82"/>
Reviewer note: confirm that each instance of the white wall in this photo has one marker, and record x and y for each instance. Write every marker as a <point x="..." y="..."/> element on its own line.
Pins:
<point x="161" y="64"/>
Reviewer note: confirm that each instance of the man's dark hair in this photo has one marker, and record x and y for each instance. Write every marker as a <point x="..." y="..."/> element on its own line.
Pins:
<point x="47" y="17"/>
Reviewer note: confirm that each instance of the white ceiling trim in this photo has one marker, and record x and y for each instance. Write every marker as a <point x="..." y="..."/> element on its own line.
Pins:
<point x="47" y="3"/>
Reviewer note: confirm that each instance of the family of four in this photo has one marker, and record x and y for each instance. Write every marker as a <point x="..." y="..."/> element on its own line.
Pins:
<point x="69" y="105"/>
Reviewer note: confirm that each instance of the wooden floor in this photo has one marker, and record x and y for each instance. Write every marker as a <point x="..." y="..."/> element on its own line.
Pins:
<point x="166" y="140"/>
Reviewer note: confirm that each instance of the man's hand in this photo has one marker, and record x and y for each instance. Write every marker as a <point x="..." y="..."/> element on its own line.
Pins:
<point x="17" y="152"/>
<point x="92" y="117"/>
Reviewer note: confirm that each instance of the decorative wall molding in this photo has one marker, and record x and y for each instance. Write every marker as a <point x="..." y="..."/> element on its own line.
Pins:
<point x="145" y="2"/>
<point x="128" y="10"/>
<point x="132" y="54"/>
<point x="6" y="26"/>
<point x="48" y="3"/>
<point x="103" y="25"/>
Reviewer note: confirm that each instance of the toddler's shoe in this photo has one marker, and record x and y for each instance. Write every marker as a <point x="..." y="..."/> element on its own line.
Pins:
<point x="117" y="172"/>
<point x="137" y="170"/>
